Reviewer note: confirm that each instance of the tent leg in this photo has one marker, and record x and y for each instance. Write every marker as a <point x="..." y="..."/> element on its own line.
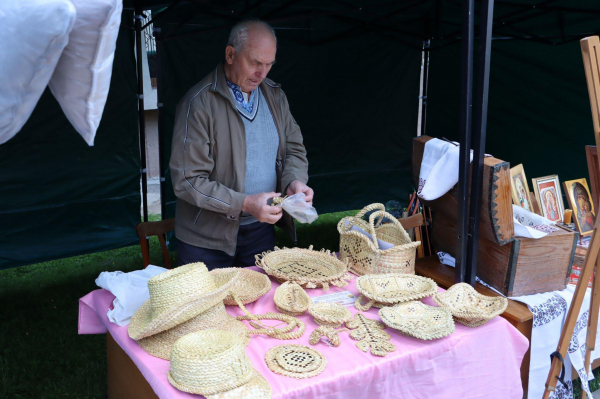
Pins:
<point x="159" y="106"/>
<point x="426" y="45"/>
<point x="142" y="123"/>
<point x="479" y="136"/>
<point x="468" y="26"/>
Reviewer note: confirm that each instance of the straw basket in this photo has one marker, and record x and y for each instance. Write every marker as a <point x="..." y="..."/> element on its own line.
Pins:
<point x="364" y="254"/>
<point x="248" y="286"/>
<point x="468" y="307"/>
<point x="306" y="267"/>
<point x="291" y="299"/>
<point x="388" y="289"/>
<point x="418" y="320"/>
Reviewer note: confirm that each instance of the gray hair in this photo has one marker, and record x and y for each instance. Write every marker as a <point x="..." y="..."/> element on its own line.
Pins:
<point x="239" y="33"/>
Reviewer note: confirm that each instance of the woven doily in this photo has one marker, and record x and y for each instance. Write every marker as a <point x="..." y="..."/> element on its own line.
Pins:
<point x="296" y="361"/>
<point x="388" y="289"/>
<point x="291" y="299"/>
<point x="249" y="286"/>
<point x="470" y="307"/>
<point x="310" y="269"/>
<point x="418" y="320"/>
<point x="330" y="314"/>
<point x="369" y="334"/>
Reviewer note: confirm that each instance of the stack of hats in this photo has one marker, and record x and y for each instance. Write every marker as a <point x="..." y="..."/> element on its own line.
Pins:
<point x="182" y="301"/>
<point x="214" y="363"/>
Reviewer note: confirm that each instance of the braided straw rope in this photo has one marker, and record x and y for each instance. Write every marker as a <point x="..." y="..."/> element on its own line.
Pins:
<point x="176" y="296"/>
<point x="330" y="314"/>
<point x="388" y="289"/>
<point x="364" y="254"/>
<point x="306" y="267"/>
<point x="418" y="320"/>
<point x="369" y="334"/>
<point x="214" y="362"/>
<point x="248" y="286"/>
<point x="291" y="299"/>
<point x="277" y="333"/>
<point x="296" y="361"/>
<point x="215" y="318"/>
<point x="331" y="334"/>
<point x="469" y="307"/>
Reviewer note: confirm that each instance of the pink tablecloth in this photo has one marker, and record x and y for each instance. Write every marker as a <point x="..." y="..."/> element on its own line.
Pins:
<point x="482" y="362"/>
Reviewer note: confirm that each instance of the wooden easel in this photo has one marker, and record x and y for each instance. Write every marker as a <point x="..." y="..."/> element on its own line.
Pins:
<point x="590" y="48"/>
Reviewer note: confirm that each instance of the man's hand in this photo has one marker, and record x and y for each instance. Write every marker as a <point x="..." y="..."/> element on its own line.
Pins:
<point x="256" y="205"/>
<point x="297" y="186"/>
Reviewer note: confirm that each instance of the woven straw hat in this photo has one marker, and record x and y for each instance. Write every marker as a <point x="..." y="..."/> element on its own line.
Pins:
<point x="175" y="297"/>
<point x="215" y="318"/>
<point x="213" y="363"/>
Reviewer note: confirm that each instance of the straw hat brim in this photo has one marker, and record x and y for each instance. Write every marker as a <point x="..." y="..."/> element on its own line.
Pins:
<point x="256" y="388"/>
<point x="144" y="324"/>
<point x="161" y="344"/>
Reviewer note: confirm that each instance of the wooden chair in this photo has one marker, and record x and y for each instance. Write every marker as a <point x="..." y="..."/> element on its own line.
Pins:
<point x="159" y="229"/>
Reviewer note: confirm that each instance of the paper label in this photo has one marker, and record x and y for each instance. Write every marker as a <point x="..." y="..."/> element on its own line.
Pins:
<point x="345" y="298"/>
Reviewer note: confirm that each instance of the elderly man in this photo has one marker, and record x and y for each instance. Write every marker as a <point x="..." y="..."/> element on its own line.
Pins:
<point x="235" y="147"/>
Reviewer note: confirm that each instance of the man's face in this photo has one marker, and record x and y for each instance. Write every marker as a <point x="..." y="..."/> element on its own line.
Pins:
<point x="248" y="68"/>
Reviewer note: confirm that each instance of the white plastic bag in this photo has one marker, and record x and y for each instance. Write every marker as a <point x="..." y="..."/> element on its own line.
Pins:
<point x="300" y="210"/>
<point x="130" y="290"/>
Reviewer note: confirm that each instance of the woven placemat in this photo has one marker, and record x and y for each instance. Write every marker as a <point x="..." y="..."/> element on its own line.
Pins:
<point x="295" y="361"/>
<point x="389" y="289"/>
<point x="469" y="307"/>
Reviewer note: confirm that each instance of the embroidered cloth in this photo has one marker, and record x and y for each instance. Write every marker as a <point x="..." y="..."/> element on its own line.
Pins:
<point x="246" y="108"/>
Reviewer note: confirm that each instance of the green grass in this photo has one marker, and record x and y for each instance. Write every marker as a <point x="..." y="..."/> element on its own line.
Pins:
<point x="41" y="354"/>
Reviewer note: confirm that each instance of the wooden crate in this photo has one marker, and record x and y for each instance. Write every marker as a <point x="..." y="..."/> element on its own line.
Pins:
<point x="514" y="266"/>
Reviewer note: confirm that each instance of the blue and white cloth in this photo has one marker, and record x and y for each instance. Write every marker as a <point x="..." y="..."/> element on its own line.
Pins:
<point x="246" y="107"/>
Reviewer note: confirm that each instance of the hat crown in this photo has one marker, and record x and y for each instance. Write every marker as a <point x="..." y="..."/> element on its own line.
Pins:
<point x="180" y="285"/>
<point x="210" y="362"/>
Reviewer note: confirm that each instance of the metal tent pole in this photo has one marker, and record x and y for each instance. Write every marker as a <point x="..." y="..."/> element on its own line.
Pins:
<point x="479" y="136"/>
<point x="142" y="123"/>
<point x="462" y="224"/>
<point x="159" y="106"/>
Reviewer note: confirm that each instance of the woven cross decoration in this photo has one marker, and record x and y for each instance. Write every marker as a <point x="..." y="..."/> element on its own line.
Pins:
<point x="369" y="334"/>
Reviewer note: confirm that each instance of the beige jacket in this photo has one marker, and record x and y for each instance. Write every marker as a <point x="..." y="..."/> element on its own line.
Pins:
<point x="208" y="161"/>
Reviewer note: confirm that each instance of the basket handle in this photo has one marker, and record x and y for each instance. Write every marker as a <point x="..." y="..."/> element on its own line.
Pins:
<point x="381" y="215"/>
<point x="362" y="213"/>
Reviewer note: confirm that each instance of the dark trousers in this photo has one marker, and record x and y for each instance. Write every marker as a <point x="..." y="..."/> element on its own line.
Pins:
<point x="252" y="239"/>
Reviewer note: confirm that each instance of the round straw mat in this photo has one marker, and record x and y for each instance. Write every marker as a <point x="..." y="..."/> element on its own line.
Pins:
<point x="469" y="307"/>
<point x="248" y="286"/>
<point x="215" y="318"/>
<point x="296" y="361"/>
<point x="418" y="320"/>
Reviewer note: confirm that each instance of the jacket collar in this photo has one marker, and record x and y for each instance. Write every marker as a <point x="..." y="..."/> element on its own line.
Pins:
<point x="219" y="84"/>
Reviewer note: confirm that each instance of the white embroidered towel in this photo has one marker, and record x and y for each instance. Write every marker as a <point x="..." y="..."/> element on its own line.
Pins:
<point x="530" y="225"/>
<point x="130" y="290"/>
<point x="437" y="180"/>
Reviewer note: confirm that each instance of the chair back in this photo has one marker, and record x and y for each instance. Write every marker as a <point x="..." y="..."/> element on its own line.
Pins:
<point x="146" y="230"/>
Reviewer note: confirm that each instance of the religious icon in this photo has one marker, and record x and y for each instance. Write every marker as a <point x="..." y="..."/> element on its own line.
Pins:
<point x="547" y="192"/>
<point x="580" y="201"/>
<point x="520" y="190"/>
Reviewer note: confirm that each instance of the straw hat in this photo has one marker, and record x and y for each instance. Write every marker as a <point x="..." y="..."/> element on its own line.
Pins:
<point x="176" y="296"/>
<point x="215" y="318"/>
<point x="213" y="363"/>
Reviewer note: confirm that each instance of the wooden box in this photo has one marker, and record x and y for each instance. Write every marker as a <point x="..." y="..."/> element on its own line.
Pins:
<point x="514" y="266"/>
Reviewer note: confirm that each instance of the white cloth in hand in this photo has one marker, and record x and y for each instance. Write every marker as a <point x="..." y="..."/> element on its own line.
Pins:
<point x="130" y="290"/>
